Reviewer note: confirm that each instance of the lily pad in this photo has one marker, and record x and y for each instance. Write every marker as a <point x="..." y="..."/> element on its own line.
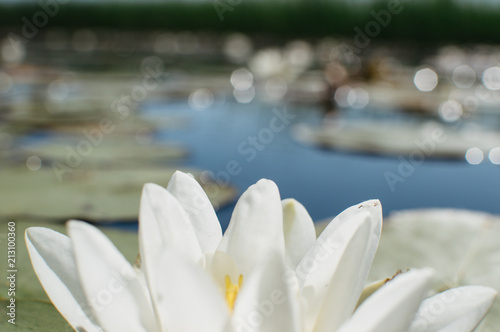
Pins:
<point x="39" y="113"/>
<point x="429" y="139"/>
<point x="404" y="96"/>
<point x="33" y="315"/>
<point x="62" y="192"/>
<point x="462" y="246"/>
<point x="109" y="152"/>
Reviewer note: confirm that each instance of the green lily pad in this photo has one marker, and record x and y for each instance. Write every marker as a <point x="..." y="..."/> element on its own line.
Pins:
<point x="61" y="192"/>
<point x="40" y="113"/>
<point x="110" y="152"/>
<point x="461" y="246"/>
<point x="119" y="128"/>
<point x="32" y="315"/>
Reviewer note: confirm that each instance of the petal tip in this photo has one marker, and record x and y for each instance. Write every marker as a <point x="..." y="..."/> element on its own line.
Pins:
<point x="150" y="187"/>
<point x="372" y="203"/>
<point x="266" y="181"/>
<point x="484" y="291"/>
<point x="31" y="233"/>
<point x="75" y="223"/>
<point x="179" y="173"/>
<point x="267" y="184"/>
<point x="289" y="203"/>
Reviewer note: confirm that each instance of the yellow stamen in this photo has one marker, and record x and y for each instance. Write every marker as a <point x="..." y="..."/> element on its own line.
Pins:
<point x="232" y="291"/>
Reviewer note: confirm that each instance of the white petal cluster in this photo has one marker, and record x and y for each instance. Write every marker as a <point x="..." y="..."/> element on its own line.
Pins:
<point x="291" y="281"/>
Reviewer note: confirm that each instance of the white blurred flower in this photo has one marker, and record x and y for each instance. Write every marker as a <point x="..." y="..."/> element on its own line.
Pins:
<point x="288" y="63"/>
<point x="266" y="273"/>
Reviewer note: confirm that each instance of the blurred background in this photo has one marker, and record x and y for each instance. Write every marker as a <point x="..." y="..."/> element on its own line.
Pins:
<point x="336" y="101"/>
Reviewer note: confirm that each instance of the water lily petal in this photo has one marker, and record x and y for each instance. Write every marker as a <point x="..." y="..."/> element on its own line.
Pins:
<point x="164" y="223"/>
<point x="266" y="303"/>
<point x="111" y="284"/>
<point x="195" y="202"/>
<point x="332" y="278"/>
<point x="333" y="272"/>
<point x="51" y="255"/>
<point x="256" y="227"/>
<point x="186" y="297"/>
<point x="392" y="307"/>
<point x="298" y="228"/>
<point x="370" y="289"/>
<point x="456" y="310"/>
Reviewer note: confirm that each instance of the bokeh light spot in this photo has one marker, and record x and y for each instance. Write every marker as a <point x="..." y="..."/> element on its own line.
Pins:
<point x="238" y="47"/>
<point x="450" y="110"/>
<point x="276" y="88"/>
<point x="491" y="78"/>
<point x="12" y="50"/>
<point x="241" y="79"/>
<point x="34" y="163"/>
<point x="474" y="156"/>
<point x="463" y="77"/>
<point x="494" y="155"/>
<point x="425" y="79"/>
<point x="244" y="96"/>
<point x="201" y="99"/>
<point x="346" y="96"/>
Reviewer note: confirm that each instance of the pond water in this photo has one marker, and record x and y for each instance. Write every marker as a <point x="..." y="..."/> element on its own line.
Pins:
<point x="239" y="142"/>
<point x="325" y="181"/>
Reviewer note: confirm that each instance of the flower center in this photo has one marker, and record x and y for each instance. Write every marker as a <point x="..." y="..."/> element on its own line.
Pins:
<point x="232" y="291"/>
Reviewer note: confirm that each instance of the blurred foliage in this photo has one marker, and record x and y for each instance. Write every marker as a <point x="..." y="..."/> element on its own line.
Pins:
<point x="438" y="21"/>
<point x="33" y="315"/>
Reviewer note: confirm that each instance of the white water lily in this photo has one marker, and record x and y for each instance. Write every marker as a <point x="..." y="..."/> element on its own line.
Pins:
<point x="266" y="273"/>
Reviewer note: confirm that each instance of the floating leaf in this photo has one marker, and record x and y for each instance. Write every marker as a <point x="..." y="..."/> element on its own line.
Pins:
<point x="107" y="152"/>
<point x="430" y="139"/>
<point x="32" y="315"/>
<point x="462" y="246"/>
<point x="93" y="195"/>
<point x="32" y="113"/>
